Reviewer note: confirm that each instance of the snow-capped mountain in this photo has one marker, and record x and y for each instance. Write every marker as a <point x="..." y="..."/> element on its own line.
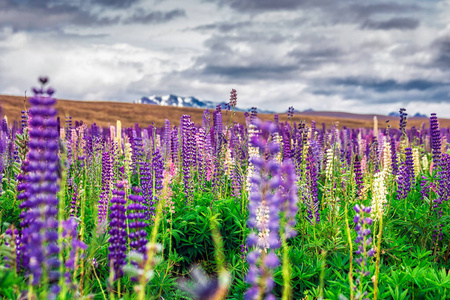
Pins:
<point x="173" y="100"/>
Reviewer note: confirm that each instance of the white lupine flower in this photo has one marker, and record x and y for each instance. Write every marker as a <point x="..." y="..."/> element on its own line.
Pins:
<point x="252" y="152"/>
<point x="379" y="193"/>
<point x="229" y="161"/>
<point x="127" y="159"/>
<point x="262" y="220"/>
<point x="330" y="164"/>
<point x="425" y="162"/>
<point x="277" y="139"/>
<point x="387" y="160"/>
<point x="416" y="158"/>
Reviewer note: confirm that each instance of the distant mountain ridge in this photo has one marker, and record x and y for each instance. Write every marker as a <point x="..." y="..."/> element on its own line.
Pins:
<point x="180" y="101"/>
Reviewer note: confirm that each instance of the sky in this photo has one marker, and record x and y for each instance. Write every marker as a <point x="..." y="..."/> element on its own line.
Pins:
<point x="357" y="56"/>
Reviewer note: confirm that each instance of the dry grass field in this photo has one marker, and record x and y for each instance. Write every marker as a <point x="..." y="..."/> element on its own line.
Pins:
<point x="106" y="113"/>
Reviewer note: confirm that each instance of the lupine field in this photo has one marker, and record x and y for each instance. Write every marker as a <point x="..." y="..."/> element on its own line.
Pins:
<point x="222" y="210"/>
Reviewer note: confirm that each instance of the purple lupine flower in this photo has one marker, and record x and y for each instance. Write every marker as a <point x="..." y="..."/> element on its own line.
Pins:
<point x="403" y="184"/>
<point x="290" y="112"/>
<point x="442" y="195"/>
<point x="73" y="203"/>
<point x="264" y="182"/>
<point x="188" y="156"/>
<point x="310" y="197"/>
<point x="236" y="183"/>
<point x="358" y="175"/>
<point x="39" y="223"/>
<point x="435" y="136"/>
<point x="286" y="143"/>
<point x="403" y="118"/>
<point x="218" y="130"/>
<point x="363" y="241"/>
<point x="167" y="139"/>
<point x="175" y="145"/>
<point x="118" y="230"/>
<point x="136" y="222"/>
<point x="24" y="123"/>
<point x="409" y="163"/>
<point x="157" y="177"/>
<point x="394" y="156"/>
<point x="233" y="98"/>
<point x="273" y="194"/>
<point x="106" y="186"/>
<point x="70" y="232"/>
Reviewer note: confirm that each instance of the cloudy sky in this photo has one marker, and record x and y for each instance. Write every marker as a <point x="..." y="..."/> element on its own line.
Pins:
<point x="347" y="55"/>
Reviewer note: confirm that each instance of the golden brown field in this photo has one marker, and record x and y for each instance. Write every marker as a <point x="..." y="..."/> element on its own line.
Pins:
<point x="107" y="113"/>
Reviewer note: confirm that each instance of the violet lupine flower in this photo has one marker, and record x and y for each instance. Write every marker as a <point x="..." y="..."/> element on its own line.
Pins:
<point x="394" y="156"/>
<point x="118" y="230"/>
<point x="147" y="188"/>
<point x="403" y="118"/>
<point x="106" y="186"/>
<point x="218" y="130"/>
<point x="310" y="197"/>
<point x="157" y="177"/>
<point x="175" y="144"/>
<point x="409" y="163"/>
<point x="201" y="156"/>
<point x="435" y="136"/>
<point x="403" y="184"/>
<point x="290" y="112"/>
<point x="442" y="195"/>
<point x="263" y="184"/>
<point x="138" y="149"/>
<point x="39" y="223"/>
<point x="363" y="240"/>
<point x="73" y="203"/>
<point x="358" y="175"/>
<point x="136" y="219"/>
<point x="70" y="232"/>
<point x="286" y="143"/>
<point x="233" y="98"/>
<point x="273" y="193"/>
<point x="167" y="138"/>
<point x="188" y="156"/>
<point x="24" y="123"/>
<point x="12" y="239"/>
<point x="236" y="183"/>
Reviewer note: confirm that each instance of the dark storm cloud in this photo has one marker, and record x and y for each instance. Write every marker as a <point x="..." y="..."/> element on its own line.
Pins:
<point x="116" y="3"/>
<point x="394" y="23"/>
<point x="383" y="86"/>
<point x="441" y="46"/>
<point x="224" y="27"/>
<point x="258" y="6"/>
<point x="154" y="17"/>
<point x="255" y="71"/>
<point x="374" y="91"/>
<point x="363" y="11"/>
<point x="316" y="55"/>
<point x="51" y="14"/>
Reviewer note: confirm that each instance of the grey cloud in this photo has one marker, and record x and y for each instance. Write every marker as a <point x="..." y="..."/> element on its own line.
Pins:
<point x="52" y="14"/>
<point x="224" y="27"/>
<point x="116" y="3"/>
<point x="258" y="6"/>
<point x="255" y="71"/>
<point x="313" y="57"/>
<point x="394" y="23"/>
<point x="154" y="17"/>
<point x="441" y="46"/>
<point x="367" y="10"/>
<point x="382" y="86"/>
